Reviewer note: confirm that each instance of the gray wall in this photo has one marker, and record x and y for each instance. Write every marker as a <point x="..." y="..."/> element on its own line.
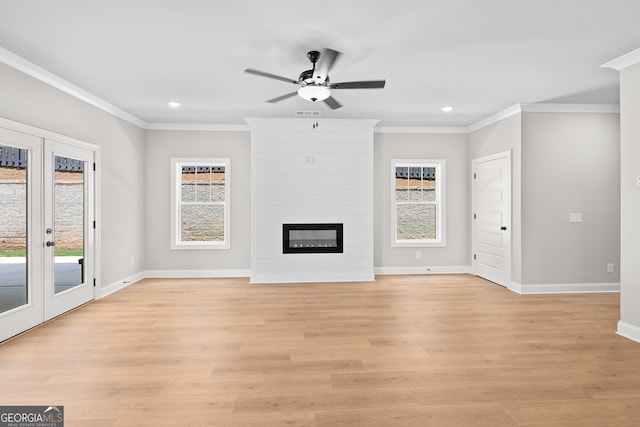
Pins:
<point x="498" y="137"/>
<point x="135" y="196"/>
<point x="570" y="164"/>
<point x="555" y="157"/>
<point x="630" y="195"/>
<point x="32" y="102"/>
<point x="161" y="147"/>
<point x="454" y="149"/>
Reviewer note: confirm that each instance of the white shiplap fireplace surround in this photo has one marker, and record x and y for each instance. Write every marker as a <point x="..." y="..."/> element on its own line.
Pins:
<point x="308" y="172"/>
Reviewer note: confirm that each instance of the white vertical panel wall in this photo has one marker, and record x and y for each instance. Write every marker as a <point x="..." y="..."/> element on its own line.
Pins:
<point x="306" y="174"/>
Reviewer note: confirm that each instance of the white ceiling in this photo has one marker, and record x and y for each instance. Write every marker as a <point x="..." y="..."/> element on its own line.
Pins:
<point x="481" y="56"/>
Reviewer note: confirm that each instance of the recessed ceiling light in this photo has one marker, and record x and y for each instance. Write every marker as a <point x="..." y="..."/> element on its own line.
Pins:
<point x="447" y="108"/>
<point x="173" y="104"/>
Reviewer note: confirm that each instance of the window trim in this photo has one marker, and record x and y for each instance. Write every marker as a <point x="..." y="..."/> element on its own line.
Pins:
<point x="176" y="165"/>
<point x="440" y="165"/>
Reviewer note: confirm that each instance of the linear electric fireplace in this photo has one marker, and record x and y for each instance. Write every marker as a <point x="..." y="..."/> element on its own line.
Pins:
<point x="312" y="238"/>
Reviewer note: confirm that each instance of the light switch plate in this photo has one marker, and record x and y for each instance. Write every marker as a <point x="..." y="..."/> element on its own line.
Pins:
<point x="575" y="217"/>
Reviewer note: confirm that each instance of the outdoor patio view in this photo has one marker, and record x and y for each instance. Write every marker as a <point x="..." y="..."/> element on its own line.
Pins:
<point x="13" y="228"/>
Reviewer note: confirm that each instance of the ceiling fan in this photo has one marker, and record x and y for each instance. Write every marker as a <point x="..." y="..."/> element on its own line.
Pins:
<point x="314" y="84"/>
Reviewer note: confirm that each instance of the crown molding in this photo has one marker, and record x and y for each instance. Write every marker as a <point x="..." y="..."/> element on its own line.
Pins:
<point x="570" y="108"/>
<point x="624" y="61"/>
<point x="418" y="129"/>
<point x="507" y="112"/>
<point x="39" y="73"/>
<point x="197" y="127"/>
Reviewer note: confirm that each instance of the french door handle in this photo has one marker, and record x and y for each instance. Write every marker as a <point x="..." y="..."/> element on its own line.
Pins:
<point x="50" y="243"/>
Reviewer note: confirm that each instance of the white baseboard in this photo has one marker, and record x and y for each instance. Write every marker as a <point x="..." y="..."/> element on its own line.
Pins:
<point x="454" y="269"/>
<point x="175" y="274"/>
<point x="563" y="288"/>
<point x="120" y="284"/>
<point x="515" y="287"/>
<point x="628" y="330"/>
<point x="528" y="289"/>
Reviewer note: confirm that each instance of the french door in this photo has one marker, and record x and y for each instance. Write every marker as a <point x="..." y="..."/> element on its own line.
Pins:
<point x="68" y="230"/>
<point x="46" y="229"/>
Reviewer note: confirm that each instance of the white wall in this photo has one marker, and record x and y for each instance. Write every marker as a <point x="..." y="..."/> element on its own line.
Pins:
<point x="161" y="147"/>
<point x="629" y="324"/>
<point x="570" y="164"/>
<point x="26" y="100"/>
<point x="303" y="174"/>
<point x="454" y="257"/>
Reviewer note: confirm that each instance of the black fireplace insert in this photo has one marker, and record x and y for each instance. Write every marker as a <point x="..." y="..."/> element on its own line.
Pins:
<point x="312" y="238"/>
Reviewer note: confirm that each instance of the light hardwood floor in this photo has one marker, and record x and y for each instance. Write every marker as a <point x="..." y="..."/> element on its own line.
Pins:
<point x="403" y="350"/>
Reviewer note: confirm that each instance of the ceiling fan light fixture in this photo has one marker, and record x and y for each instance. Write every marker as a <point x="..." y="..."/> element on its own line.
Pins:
<point x="314" y="92"/>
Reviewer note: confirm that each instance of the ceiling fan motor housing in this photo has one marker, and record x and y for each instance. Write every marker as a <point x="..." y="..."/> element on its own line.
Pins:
<point x="306" y="77"/>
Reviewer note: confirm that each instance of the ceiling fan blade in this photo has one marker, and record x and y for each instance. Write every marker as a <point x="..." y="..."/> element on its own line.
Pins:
<point x="370" y="84"/>
<point x="332" y="103"/>
<point x="327" y="59"/>
<point x="282" y="97"/>
<point x="270" y="76"/>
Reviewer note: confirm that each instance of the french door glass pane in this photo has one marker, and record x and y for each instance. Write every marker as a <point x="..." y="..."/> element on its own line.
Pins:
<point x="68" y="214"/>
<point x="13" y="228"/>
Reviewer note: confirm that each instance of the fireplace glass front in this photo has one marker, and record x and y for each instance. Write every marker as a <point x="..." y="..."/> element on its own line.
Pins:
<point x="311" y="238"/>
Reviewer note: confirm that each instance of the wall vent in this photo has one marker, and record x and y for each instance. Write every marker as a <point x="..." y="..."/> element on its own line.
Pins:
<point x="307" y="113"/>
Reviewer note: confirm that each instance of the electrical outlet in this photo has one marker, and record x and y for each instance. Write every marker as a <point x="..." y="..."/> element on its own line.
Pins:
<point x="610" y="268"/>
<point x="418" y="254"/>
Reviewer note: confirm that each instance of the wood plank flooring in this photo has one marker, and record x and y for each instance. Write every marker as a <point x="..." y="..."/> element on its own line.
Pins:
<point x="403" y="350"/>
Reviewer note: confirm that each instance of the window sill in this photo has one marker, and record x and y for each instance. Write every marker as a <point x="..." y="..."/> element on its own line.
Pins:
<point x="418" y="244"/>
<point x="200" y="247"/>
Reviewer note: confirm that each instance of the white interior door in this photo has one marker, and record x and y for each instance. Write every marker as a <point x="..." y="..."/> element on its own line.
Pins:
<point x="20" y="245"/>
<point x="491" y="229"/>
<point x="68" y="227"/>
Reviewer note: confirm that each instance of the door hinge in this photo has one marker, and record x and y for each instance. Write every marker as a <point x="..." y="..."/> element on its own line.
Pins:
<point x="94" y="282"/>
<point x="474" y="175"/>
<point x="94" y="167"/>
<point x="474" y="256"/>
<point x="94" y="224"/>
<point x="474" y="217"/>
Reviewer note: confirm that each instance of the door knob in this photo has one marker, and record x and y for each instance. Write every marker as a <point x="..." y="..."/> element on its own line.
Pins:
<point x="49" y="244"/>
<point x="503" y="228"/>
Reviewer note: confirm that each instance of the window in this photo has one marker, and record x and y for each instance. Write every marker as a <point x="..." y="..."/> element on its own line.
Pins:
<point x="417" y="188"/>
<point x="200" y="200"/>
